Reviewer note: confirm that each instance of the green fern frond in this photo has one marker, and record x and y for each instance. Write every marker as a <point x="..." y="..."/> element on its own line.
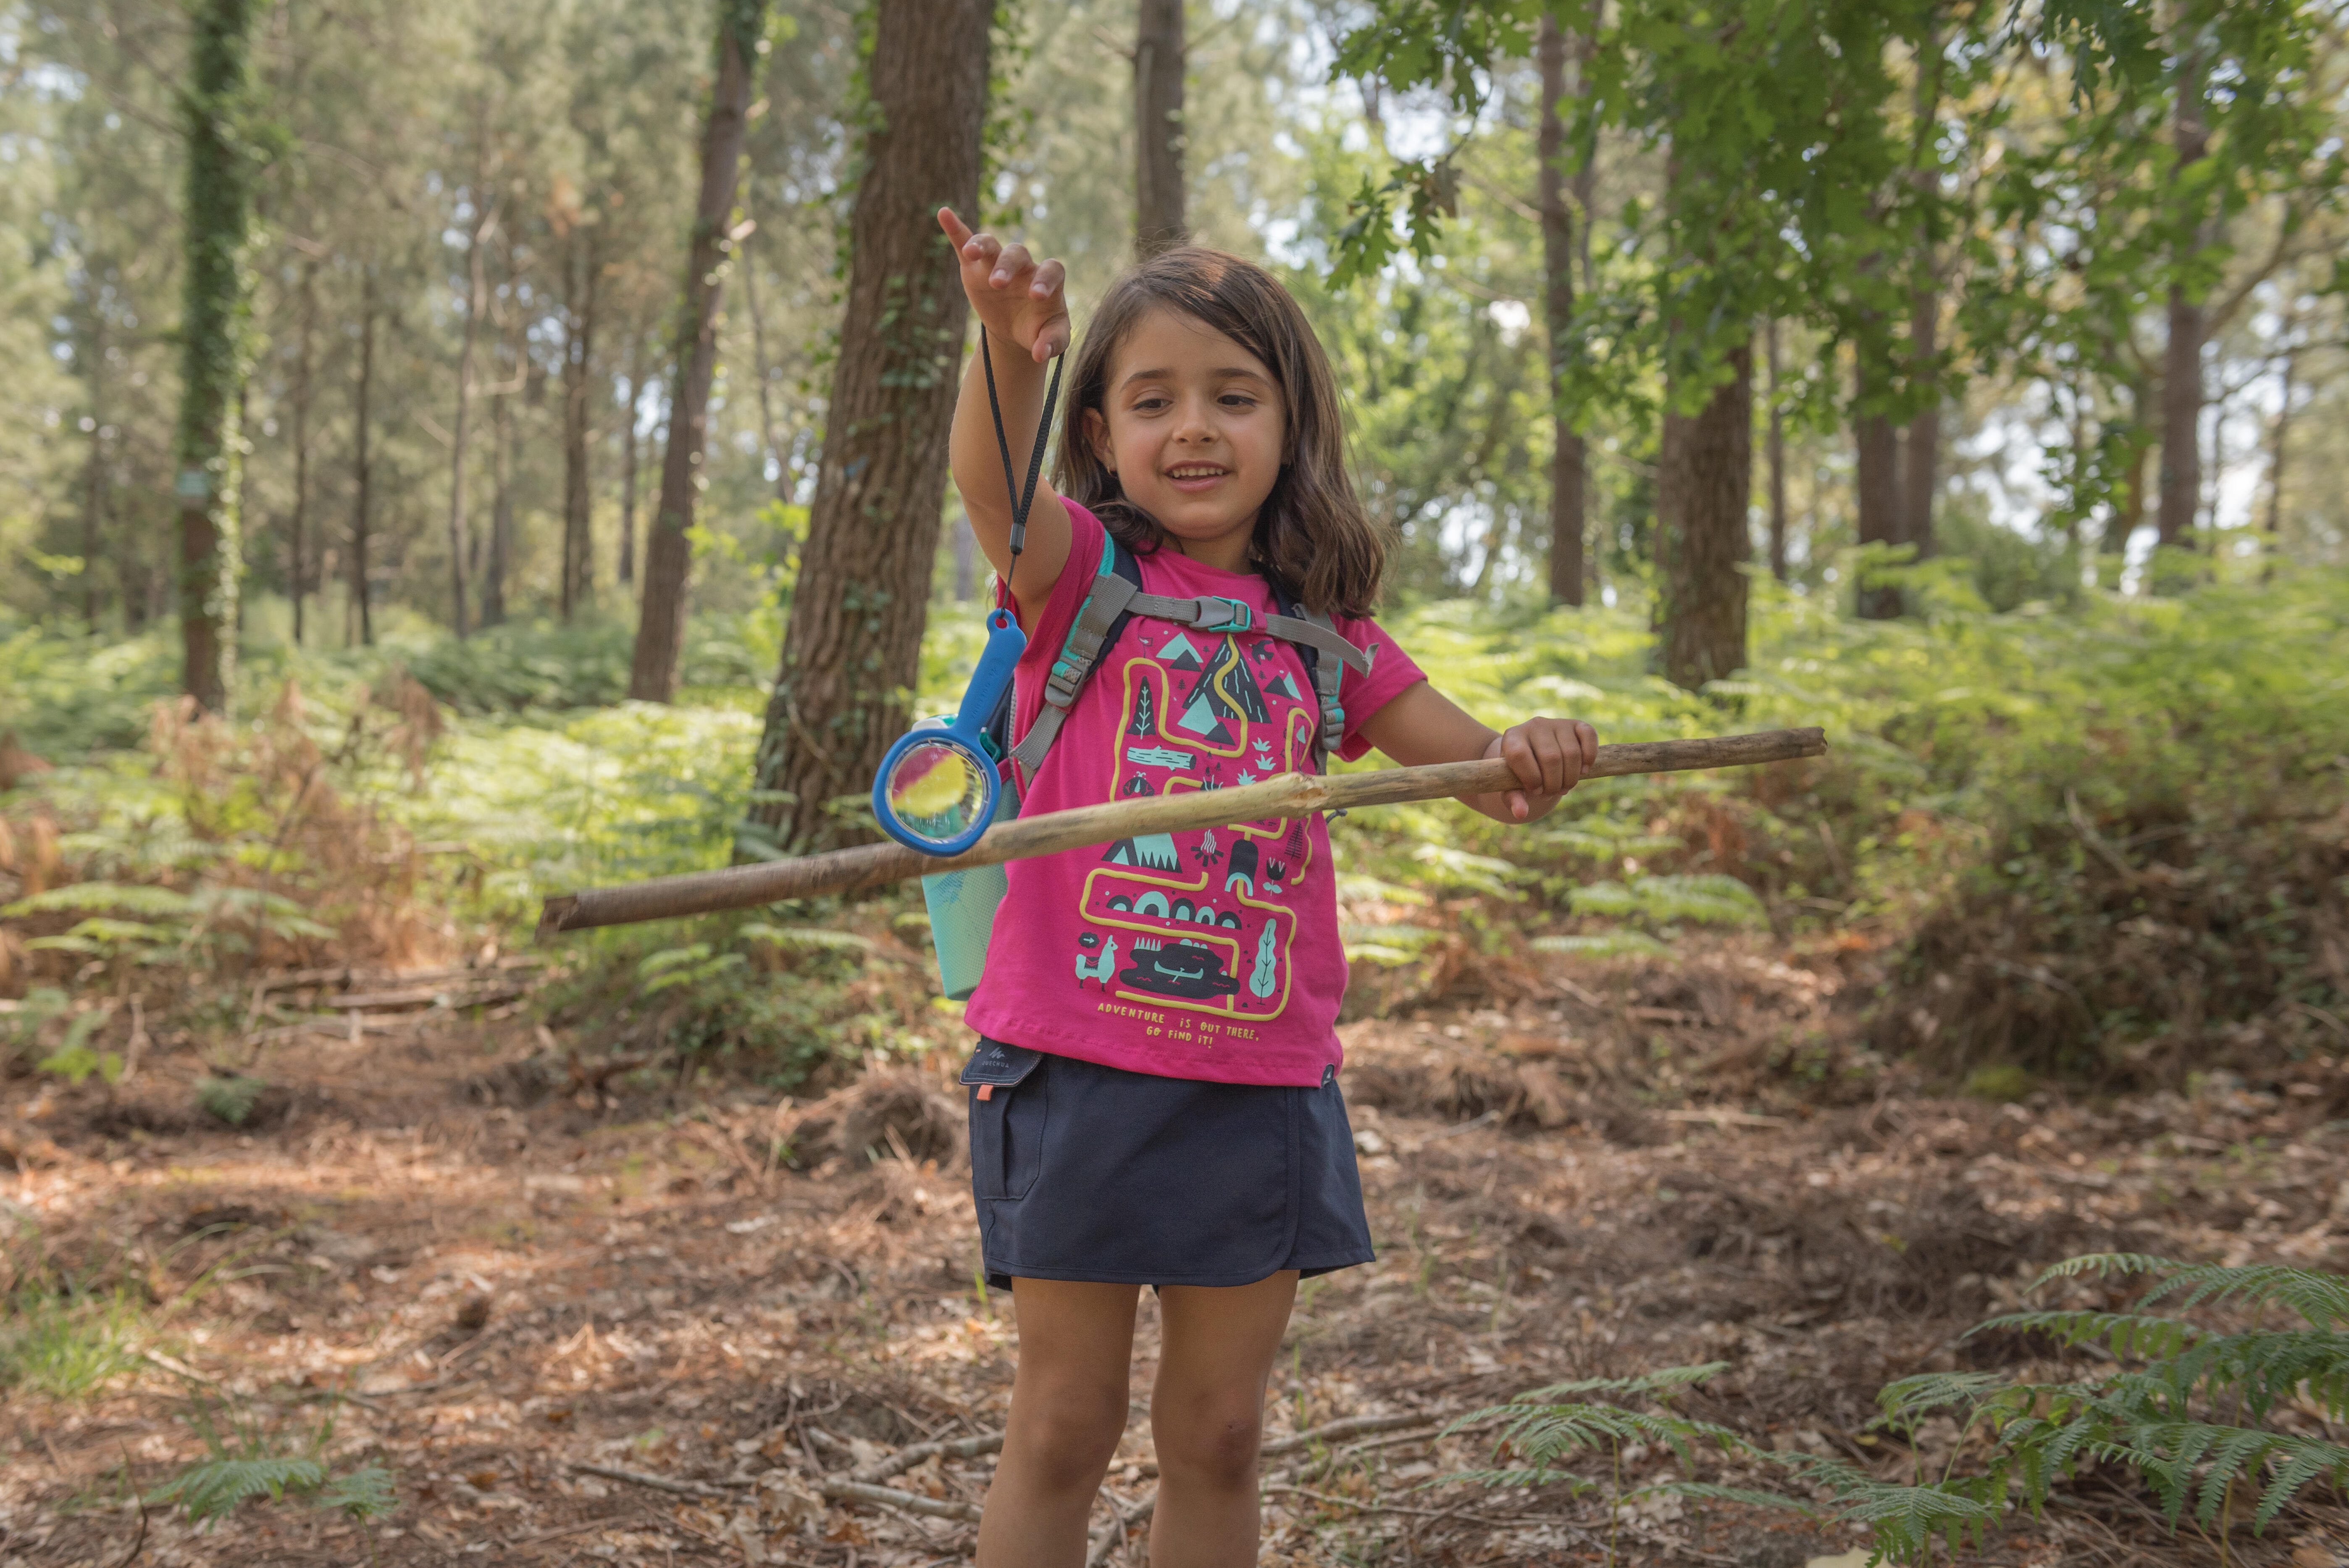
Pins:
<point x="95" y="897"/>
<point x="1603" y="945"/>
<point x="2322" y="1299"/>
<point x="1905" y="1401"/>
<point x="364" y="1494"/>
<point x="1524" y="1478"/>
<point x="211" y="1489"/>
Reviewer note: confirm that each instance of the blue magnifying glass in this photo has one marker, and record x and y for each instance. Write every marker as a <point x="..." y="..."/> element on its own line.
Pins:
<point x="937" y="787"/>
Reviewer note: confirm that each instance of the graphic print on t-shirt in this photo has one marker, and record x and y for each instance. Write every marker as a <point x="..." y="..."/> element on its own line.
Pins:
<point x="1201" y="922"/>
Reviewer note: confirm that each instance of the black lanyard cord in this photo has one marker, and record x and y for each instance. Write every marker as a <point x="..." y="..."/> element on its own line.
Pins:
<point x="1021" y="499"/>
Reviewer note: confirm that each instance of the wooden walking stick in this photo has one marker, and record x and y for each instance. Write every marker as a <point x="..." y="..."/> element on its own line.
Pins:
<point x="1289" y="795"/>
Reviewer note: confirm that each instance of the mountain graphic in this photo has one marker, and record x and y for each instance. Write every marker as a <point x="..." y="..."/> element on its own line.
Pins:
<point x="1155" y="850"/>
<point x="1226" y="690"/>
<point x="1178" y="654"/>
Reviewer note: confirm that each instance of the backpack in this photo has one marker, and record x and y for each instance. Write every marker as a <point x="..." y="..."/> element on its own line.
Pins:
<point x="962" y="905"/>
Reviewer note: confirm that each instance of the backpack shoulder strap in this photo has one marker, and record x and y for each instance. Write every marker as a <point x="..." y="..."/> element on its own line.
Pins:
<point x="1107" y="607"/>
<point x="1327" y="657"/>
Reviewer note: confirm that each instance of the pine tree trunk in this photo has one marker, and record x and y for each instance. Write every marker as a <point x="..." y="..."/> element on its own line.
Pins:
<point x="217" y="219"/>
<point x="1877" y="481"/>
<point x="1705" y="478"/>
<point x="93" y="501"/>
<point x="1567" y="522"/>
<point x="629" y="445"/>
<point x="578" y="367"/>
<point x="477" y="290"/>
<point x="758" y="368"/>
<point x="1159" y="224"/>
<point x="669" y="556"/>
<point x="1777" y="451"/>
<point x="1920" y="453"/>
<point x="852" y="648"/>
<point x="2181" y="376"/>
<point x="494" y="580"/>
<point x="362" y="492"/>
<point x="298" y="521"/>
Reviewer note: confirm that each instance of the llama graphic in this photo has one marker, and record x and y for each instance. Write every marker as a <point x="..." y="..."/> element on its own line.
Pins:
<point x="1100" y="968"/>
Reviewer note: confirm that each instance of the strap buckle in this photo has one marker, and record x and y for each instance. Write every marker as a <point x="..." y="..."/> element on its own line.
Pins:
<point x="1238" y="618"/>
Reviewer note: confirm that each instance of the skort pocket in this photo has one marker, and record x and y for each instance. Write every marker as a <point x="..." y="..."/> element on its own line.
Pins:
<point x="1009" y="1101"/>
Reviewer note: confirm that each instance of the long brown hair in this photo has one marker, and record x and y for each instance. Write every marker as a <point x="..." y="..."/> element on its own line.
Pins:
<point x="1312" y="536"/>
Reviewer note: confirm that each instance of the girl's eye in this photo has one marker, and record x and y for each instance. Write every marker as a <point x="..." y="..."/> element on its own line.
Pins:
<point x="1239" y="400"/>
<point x="1149" y="405"/>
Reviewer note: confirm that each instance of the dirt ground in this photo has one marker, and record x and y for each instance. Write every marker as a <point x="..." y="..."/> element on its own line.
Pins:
<point x="504" y="1282"/>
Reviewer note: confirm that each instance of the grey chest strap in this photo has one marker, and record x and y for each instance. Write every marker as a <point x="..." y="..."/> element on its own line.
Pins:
<point x="1113" y="596"/>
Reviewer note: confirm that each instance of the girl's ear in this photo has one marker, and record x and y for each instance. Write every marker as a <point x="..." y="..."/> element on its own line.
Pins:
<point x="1097" y="437"/>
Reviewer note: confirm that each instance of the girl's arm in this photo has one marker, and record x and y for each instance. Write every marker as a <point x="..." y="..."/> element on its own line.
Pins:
<point x="1020" y="308"/>
<point x="1420" y="724"/>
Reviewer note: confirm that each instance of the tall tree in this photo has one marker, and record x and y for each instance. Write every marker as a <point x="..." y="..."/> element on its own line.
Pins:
<point x="1920" y="447"/>
<point x="582" y="274"/>
<point x="669" y="552"/>
<point x="853" y="645"/>
<point x="1567" y="480"/>
<point x="1158" y="59"/>
<point x="1876" y="480"/>
<point x="1777" y="459"/>
<point x="2182" y="370"/>
<point x="297" y="521"/>
<point x="217" y="224"/>
<point x="1704" y="481"/>
<point x="360" y="612"/>
<point x="477" y="300"/>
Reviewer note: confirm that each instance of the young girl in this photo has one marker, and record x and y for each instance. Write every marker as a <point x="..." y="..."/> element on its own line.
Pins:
<point x="1173" y="1118"/>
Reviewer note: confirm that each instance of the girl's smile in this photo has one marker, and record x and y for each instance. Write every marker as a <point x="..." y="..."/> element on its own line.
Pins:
<point x="1193" y="429"/>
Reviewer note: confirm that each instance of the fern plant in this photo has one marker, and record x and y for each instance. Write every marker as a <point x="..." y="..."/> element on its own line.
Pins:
<point x="1545" y="1429"/>
<point x="243" y="1462"/>
<point x="2186" y="1407"/>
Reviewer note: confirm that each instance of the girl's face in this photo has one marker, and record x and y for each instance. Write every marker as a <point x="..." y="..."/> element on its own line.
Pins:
<point x="1192" y="425"/>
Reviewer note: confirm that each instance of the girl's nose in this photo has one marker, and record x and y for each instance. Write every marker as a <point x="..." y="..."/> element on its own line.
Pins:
<point x="1196" y="427"/>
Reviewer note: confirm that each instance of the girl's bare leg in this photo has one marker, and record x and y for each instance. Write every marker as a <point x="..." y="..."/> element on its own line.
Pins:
<point x="1207" y="1418"/>
<point x="1068" y="1413"/>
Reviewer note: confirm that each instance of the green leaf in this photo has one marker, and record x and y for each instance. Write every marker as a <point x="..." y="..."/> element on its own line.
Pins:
<point x="211" y="1490"/>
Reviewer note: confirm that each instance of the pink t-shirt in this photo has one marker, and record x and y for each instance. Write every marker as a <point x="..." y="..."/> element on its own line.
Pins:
<point x="1210" y="954"/>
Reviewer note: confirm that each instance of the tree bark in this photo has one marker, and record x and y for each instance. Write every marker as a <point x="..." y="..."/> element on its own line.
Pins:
<point x="362" y="494"/>
<point x="218" y="217"/>
<point x="2181" y="379"/>
<point x="2281" y="433"/>
<point x="1920" y="453"/>
<point x="298" y="520"/>
<point x="852" y="648"/>
<point x="494" y="580"/>
<point x="93" y="501"/>
<point x="1777" y="450"/>
<point x="766" y="398"/>
<point x="1567" y="521"/>
<point x="477" y="288"/>
<point x="1877" y="483"/>
<point x="669" y="556"/>
<point x="629" y="445"/>
<point x="1159" y="224"/>
<point x="582" y="266"/>
<point x="1705" y="477"/>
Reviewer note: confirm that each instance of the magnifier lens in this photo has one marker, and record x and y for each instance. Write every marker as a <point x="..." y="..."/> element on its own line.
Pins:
<point x="937" y="791"/>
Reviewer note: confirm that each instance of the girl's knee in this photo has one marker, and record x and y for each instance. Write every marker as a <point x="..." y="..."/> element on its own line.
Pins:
<point x="1214" y="1442"/>
<point x="1069" y="1430"/>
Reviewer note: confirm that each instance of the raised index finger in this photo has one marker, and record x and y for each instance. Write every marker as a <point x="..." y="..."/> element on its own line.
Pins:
<point x="957" y="229"/>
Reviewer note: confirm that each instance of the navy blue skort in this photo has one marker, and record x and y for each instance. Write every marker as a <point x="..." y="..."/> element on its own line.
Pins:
<point x="1082" y="1171"/>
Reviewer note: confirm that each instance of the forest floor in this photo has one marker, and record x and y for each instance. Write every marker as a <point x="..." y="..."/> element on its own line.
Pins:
<point x="505" y="1282"/>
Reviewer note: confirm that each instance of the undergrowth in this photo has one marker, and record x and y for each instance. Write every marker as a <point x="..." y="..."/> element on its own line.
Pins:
<point x="2226" y="1424"/>
<point x="2105" y="840"/>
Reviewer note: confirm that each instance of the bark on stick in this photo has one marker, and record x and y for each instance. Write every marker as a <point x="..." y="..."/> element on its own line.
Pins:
<point x="1289" y="795"/>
